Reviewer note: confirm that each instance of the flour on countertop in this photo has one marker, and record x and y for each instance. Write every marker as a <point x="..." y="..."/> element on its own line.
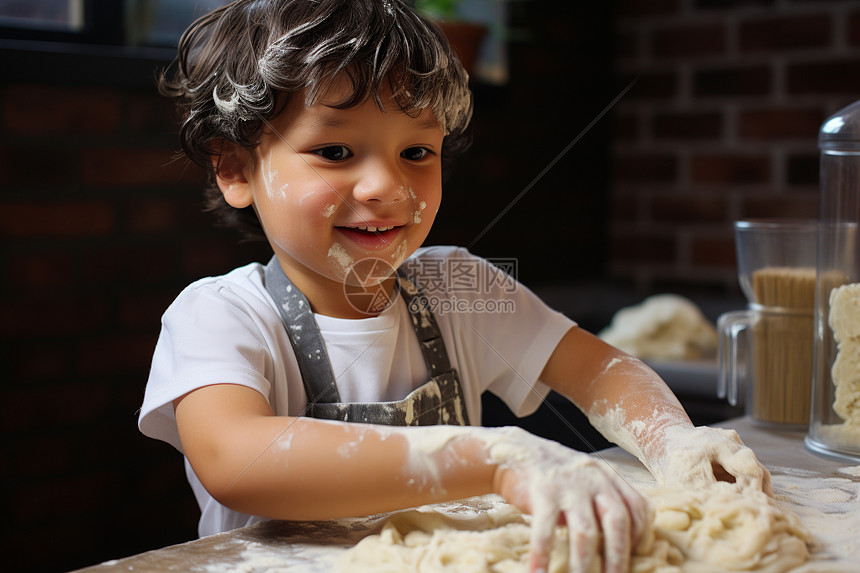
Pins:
<point x="852" y="471"/>
<point x="830" y="510"/>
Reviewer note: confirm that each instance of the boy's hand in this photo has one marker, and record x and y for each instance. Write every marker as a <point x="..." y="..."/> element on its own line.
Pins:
<point x="696" y="456"/>
<point x="558" y="485"/>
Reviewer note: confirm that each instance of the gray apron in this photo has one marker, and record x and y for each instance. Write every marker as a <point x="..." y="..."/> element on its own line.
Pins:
<point x="438" y="401"/>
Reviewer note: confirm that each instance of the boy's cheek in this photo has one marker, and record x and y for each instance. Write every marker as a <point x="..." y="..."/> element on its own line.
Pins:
<point x="299" y="200"/>
<point x="321" y="201"/>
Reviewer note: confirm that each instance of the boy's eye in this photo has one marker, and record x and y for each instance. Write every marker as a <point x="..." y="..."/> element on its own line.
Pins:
<point x="415" y="153"/>
<point x="334" y="152"/>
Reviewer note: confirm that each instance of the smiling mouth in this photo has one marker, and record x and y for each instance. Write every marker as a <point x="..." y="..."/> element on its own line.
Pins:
<point x="369" y="229"/>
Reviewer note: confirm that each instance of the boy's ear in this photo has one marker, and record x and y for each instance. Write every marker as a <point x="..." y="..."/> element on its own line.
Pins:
<point x="231" y="164"/>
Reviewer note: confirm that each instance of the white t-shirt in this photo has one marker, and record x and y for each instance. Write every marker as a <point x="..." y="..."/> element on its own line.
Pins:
<point x="226" y="329"/>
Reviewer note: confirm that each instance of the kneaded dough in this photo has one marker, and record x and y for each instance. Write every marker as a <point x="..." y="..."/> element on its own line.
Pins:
<point x="844" y="315"/>
<point x="845" y="321"/>
<point x="709" y="530"/>
<point x="846" y="378"/>
<point x="662" y="327"/>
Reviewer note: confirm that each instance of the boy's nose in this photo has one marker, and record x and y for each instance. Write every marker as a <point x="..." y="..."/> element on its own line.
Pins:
<point x="381" y="183"/>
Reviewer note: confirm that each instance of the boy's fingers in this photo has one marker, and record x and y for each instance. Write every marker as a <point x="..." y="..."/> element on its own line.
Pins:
<point x="542" y="531"/>
<point x="639" y="512"/>
<point x="738" y="466"/>
<point x="615" y="523"/>
<point x="583" y="536"/>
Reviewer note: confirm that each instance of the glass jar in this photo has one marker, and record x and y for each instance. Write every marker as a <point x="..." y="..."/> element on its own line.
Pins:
<point x="834" y="426"/>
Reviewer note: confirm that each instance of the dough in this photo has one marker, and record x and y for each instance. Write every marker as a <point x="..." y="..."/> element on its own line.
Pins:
<point x="845" y="311"/>
<point x="846" y="378"/>
<point x="844" y="320"/>
<point x="662" y="327"/>
<point x="710" y="530"/>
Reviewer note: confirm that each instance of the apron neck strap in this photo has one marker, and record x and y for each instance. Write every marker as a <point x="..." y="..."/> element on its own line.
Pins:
<point x="304" y="334"/>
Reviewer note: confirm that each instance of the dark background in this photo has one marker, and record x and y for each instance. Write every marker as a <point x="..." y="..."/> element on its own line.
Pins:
<point x="101" y="227"/>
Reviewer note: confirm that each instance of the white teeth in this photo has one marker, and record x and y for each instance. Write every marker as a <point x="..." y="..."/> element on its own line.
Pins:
<point x="371" y="229"/>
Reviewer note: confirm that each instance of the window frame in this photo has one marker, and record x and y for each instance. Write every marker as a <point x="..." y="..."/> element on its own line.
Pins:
<point x="103" y="25"/>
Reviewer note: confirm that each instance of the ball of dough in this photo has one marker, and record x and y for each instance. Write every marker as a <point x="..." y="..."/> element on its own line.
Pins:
<point x="845" y="311"/>
<point x="846" y="367"/>
<point x="662" y="327"/>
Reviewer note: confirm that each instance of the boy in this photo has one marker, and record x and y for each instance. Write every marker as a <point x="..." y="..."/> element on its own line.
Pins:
<point x="325" y="124"/>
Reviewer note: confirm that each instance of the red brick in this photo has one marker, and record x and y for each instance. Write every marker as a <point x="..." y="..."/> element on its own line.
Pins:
<point x="38" y="110"/>
<point x="31" y="365"/>
<point x="794" y="205"/>
<point x="59" y="495"/>
<point x="52" y="315"/>
<point x="29" y="454"/>
<point x="650" y="86"/>
<point x="209" y="256"/>
<point x="709" y="252"/>
<point x="135" y="167"/>
<point x="60" y="219"/>
<point x="73" y="540"/>
<point x="24" y="165"/>
<point x="688" y="208"/>
<point x="729" y="169"/>
<point x="59" y="406"/>
<point x="780" y="123"/>
<point x="643" y="248"/>
<point x="626" y="127"/>
<point x="494" y="168"/>
<point x="689" y="41"/>
<point x="144" y="310"/>
<point x="624" y="208"/>
<point x="117" y="354"/>
<point x="628" y="45"/>
<point x="803" y="169"/>
<point x="645" y="168"/>
<point x="628" y="8"/>
<point x="147" y="264"/>
<point x="150" y="114"/>
<point x="705" y="125"/>
<point x="40" y="270"/>
<point x="138" y="264"/>
<point x="730" y="4"/>
<point x="824" y="77"/>
<point x="147" y="215"/>
<point x="732" y="81"/>
<point x="853" y="27"/>
<point x="786" y="33"/>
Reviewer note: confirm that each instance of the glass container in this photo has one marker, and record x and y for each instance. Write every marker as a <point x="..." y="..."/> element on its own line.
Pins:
<point x="834" y="426"/>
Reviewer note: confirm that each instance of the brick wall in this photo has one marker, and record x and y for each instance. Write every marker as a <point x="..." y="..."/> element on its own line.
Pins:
<point x="100" y="229"/>
<point x="721" y="124"/>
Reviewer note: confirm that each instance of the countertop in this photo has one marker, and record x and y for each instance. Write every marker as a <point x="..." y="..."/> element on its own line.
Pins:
<point x="821" y="491"/>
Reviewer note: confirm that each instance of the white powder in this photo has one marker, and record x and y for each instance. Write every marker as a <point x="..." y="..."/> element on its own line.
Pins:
<point x="270" y="180"/>
<point x="285" y="441"/>
<point x="852" y="471"/>
<point x="341" y="257"/>
<point x="840" y="436"/>
<point x="419" y="206"/>
<point x="828" y="508"/>
<point x="844" y="320"/>
<point x="399" y="254"/>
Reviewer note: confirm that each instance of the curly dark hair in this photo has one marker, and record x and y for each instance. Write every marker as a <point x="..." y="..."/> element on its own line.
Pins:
<point x="239" y="65"/>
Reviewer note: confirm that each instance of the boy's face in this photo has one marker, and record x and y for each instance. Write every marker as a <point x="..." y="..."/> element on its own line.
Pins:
<point x="333" y="187"/>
